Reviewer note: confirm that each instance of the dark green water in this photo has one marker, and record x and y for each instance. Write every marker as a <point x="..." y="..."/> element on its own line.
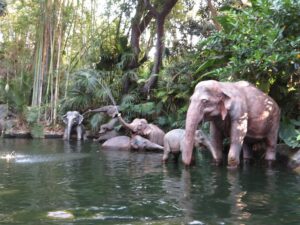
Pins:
<point x="115" y="187"/>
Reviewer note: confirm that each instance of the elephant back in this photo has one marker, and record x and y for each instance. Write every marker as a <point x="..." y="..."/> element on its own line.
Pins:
<point x="156" y="135"/>
<point x="117" y="143"/>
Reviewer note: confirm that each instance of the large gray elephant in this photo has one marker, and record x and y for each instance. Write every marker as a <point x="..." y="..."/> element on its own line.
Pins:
<point x="136" y="142"/>
<point x="173" y="142"/>
<point x="236" y="110"/>
<point x="145" y="129"/>
<point x="73" y="120"/>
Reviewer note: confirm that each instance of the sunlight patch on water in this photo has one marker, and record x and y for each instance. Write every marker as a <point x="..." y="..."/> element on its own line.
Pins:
<point x="59" y="157"/>
<point x="8" y="192"/>
<point x="196" y="222"/>
<point x="64" y="214"/>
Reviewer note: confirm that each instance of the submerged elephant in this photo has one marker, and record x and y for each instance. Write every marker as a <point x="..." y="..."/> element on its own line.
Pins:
<point x="237" y="110"/>
<point x="73" y="120"/>
<point x="126" y="143"/>
<point x="173" y="142"/>
<point x="137" y="142"/>
<point x="119" y="142"/>
<point x="145" y="129"/>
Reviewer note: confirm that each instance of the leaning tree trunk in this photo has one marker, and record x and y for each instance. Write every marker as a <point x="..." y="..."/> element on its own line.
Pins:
<point x="158" y="55"/>
<point x="138" y="25"/>
<point x="214" y="14"/>
<point x="160" y="20"/>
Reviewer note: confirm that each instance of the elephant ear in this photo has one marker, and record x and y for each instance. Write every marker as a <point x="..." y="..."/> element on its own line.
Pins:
<point x="80" y="119"/>
<point x="147" y="130"/>
<point x="225" y="103"/>
<point x="145" y="127"/>
<point x="65" y="118"/>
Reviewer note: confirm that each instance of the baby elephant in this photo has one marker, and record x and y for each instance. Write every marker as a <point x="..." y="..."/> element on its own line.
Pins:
<point x="173" y="142"/>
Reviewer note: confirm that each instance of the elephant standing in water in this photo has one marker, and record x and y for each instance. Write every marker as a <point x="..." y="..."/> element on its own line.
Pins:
<point x="73" y="120"/>
<point x="145" y="129"/>
<point x="237" y="110"/>
<point x="173" y="142"/>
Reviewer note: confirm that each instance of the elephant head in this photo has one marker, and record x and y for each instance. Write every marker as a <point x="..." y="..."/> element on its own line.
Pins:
<point x="139" y="143"/>
<point x="71" y="119"/>
<point x="137" y="126"/>
<point x="145" y="129"/>
<point x="209" y="100"/>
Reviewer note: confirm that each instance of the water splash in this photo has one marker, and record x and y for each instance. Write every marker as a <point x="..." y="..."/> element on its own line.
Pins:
<point x="109" y="94"/>
<point x="9" y="156"/>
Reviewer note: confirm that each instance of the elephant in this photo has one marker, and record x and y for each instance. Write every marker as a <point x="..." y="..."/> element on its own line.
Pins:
<point x="173" y="142"/>
<point x="237" y="110"/>
<point x="110" y="110"/>
<point x="73" y="120"/>
<point x="107" y="130"/>
<point x="119" y="142"/>
<point x="137" y="142"/>
<point x="106" y="135"/>
<point x="145" y="129"/>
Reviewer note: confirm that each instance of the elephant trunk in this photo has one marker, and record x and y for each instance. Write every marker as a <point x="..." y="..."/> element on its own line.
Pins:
<point x="193" y="118"/>
<point x="69" y="128"/>
<point x="101" y="109"/>
<point x="154" y="146"/>
<point x="126" y="125"/>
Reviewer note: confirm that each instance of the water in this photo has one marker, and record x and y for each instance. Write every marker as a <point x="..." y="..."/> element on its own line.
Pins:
<point x="71" y="183"/>
<point x="109" y="94"/>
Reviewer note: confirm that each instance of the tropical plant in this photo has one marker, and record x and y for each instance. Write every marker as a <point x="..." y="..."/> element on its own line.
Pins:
<point x="290" y="132"/>
<point x="260" y="44"/>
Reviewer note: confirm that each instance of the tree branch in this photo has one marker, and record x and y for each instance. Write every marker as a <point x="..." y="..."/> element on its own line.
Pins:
<point x="214" y="14"/>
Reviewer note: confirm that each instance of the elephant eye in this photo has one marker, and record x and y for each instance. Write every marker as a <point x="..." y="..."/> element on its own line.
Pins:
<point x="204" y="101"/>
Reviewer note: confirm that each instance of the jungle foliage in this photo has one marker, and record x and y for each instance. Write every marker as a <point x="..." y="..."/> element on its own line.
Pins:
<point x="79" y="57"/>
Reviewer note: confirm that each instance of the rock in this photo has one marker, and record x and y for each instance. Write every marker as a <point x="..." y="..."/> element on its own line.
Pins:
<point x="294" y="162"/>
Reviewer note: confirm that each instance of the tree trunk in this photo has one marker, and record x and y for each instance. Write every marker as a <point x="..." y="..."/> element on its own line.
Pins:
<point x="160" y="21"/>
<point x="138" y="26"/>
<point x="214" y="14"/>
<point x="41" y="66"/>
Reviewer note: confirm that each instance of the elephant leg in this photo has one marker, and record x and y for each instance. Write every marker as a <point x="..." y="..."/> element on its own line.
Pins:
<point x="237" y="135"/>
<point x="167" y="151"/>
<point x="216" y="142"/>
<point x="247" y="153"/>
<point x="65" y="134"/>
<point x="79" y="132"/>
<point x="271" y="148"/>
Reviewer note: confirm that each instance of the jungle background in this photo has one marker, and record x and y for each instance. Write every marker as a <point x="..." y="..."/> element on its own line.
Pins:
<point x="148" y="55"/>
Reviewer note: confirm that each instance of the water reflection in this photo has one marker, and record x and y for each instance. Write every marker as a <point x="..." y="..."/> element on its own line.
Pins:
<point x="177" y="187"/>
<point x="238" y="209"/>
<point x="109" y="187"/>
